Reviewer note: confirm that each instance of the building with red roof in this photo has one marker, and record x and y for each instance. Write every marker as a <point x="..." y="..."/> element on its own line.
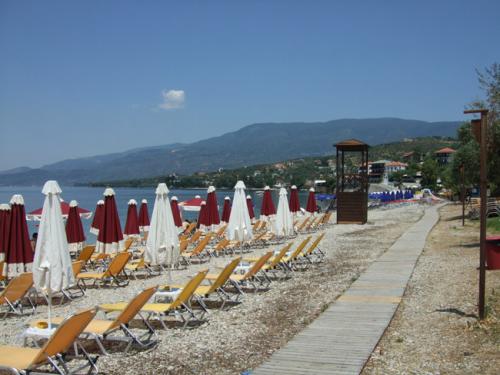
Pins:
<point x="444" y="155"/>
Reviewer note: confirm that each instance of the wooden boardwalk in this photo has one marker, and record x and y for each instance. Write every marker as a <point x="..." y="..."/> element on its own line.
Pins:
<point x="342" y="338"/>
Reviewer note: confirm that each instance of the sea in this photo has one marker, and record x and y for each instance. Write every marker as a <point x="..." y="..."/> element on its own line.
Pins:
<point x="87" y="197"/>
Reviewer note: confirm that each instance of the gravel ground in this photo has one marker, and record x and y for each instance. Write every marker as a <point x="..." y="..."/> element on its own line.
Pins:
<point x="242" y="337"/>
<point x="436" y="330"/>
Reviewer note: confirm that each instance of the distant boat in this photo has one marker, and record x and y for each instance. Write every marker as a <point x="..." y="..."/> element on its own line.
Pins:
<point x="259" y="193"/>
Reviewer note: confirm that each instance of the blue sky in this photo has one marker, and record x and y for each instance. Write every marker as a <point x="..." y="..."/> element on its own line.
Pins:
<point x="91" y="77"/>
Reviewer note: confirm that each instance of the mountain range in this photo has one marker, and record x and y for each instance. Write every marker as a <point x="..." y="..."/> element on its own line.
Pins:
<point x="252" y="144"/>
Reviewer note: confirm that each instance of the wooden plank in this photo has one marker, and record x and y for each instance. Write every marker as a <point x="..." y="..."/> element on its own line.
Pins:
<point x="370" y="299"/>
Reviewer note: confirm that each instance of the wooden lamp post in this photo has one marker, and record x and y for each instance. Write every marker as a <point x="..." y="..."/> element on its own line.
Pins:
<point x="479" y="128"/>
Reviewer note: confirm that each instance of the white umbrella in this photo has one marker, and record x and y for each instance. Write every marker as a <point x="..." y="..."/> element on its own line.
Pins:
<point x="162" y="246"/>
<point x="239" y="227"/>
<point x="52" y="270"/>
<point x="284" y="218"/>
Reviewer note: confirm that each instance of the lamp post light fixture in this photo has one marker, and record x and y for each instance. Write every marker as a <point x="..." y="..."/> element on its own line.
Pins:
<point x="483" y="185"/>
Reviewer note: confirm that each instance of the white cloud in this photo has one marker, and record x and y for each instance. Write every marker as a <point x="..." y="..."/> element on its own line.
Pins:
<point x="172" y="99"/>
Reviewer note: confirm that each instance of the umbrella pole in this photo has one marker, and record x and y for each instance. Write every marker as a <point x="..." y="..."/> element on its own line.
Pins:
<point x="170" y="265"/>
<point x="50" y="308"/>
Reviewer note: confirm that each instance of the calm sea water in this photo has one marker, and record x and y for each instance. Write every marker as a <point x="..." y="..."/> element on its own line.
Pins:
<point x="87" y="197"/>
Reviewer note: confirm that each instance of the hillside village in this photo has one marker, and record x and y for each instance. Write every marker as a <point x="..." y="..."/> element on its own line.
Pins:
<point x="398" y="163"/>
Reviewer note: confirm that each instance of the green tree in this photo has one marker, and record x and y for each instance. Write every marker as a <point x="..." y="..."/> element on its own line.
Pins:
<point x="430" y="170"/>
<point x="331" y="184"/>
<point x="468" y="151"/>
<point x="467" y="156"/>
<point x="397" y="177"/>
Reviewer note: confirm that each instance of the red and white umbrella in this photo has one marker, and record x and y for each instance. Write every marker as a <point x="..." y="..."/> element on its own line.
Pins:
<point x="192" y="204"/>
<point x="4" y="228"/>
<point x="74" y="228"/>
<point x="267" y="208"/>
<point x="144" y="216"/>
<point x="98" y="215"/>
<point x="226" y="210"/>
<point x="212" y="208"/>
<point x="294" y="200"/>
<point x="19" y="255"/>
<point x="250" y="207"/>
<point x="202" y="216"/>
<point x="311" y="202"/>
<point x="110" y="238"/>
<point x="65" y="207"/>
<point x="176" y="213"/>
<point x="132" y="223"/>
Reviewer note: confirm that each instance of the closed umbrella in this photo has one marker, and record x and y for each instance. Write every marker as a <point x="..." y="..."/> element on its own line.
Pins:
<point x="212" y="208"/>
<point x="239" y="227"/>
<point x="19" y="255"/>
<point x="144" y="216"/>
<point x="52" y="270"/>
<point x="110" y="238"/>
<point x="132" y="223"/>
<point x="284" y="219"/>
<point x="311" y="202"/>
<point x="162" y="246"/>
<point x="294" y="200"/>
<point x="176" y="212"/>
<point x="250" y="207"/>
<point x="98" y="216"/>
<point x="202" y="216"/>
<point x="74" y="228"/>
<point x="4" y="228"/>
<point x="226" y="210"/>
<point x="267" y="208"/>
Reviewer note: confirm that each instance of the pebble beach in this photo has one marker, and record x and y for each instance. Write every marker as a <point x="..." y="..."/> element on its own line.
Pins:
<point x="242" y="336"/>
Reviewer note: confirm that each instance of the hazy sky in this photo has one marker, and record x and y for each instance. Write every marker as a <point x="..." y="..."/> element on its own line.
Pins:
<point x="90" y="77"/>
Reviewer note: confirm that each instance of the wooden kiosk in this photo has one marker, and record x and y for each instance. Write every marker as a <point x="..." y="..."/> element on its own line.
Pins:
<point x="352" y="182"/>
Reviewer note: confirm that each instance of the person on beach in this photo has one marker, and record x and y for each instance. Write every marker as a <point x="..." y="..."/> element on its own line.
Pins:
<point x="34" y="237"/>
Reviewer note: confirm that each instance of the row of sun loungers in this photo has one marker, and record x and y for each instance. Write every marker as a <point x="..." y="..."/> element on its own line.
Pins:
<point x="188" y="303"/>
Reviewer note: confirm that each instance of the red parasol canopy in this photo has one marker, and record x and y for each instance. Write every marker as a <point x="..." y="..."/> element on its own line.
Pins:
<point x="37" y="214"/>
<point x="74" y="227"/>
<point x="212" y="207"/>
<point x="250" y="207"/>
<point x="311" y="202"/>
<point x="226" y="210"/>
<point x="144" y="216"/>
<point x="110" y="236"/>
<point x="4" y="228"/>
<point x="132" y="224"/>
<point x="99" y="214"/>
<point x="294" y="200"/>
<point x="267" y="208"/>
<point x="192" y="204"/>
<point x="202" y="216"/>
<point x="19" y="255"/>
<point x="176" y="212"/>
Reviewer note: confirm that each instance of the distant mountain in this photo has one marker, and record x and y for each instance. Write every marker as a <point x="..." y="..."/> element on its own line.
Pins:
<point x="252" y="144"/>
<point x="16" y="170"/>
